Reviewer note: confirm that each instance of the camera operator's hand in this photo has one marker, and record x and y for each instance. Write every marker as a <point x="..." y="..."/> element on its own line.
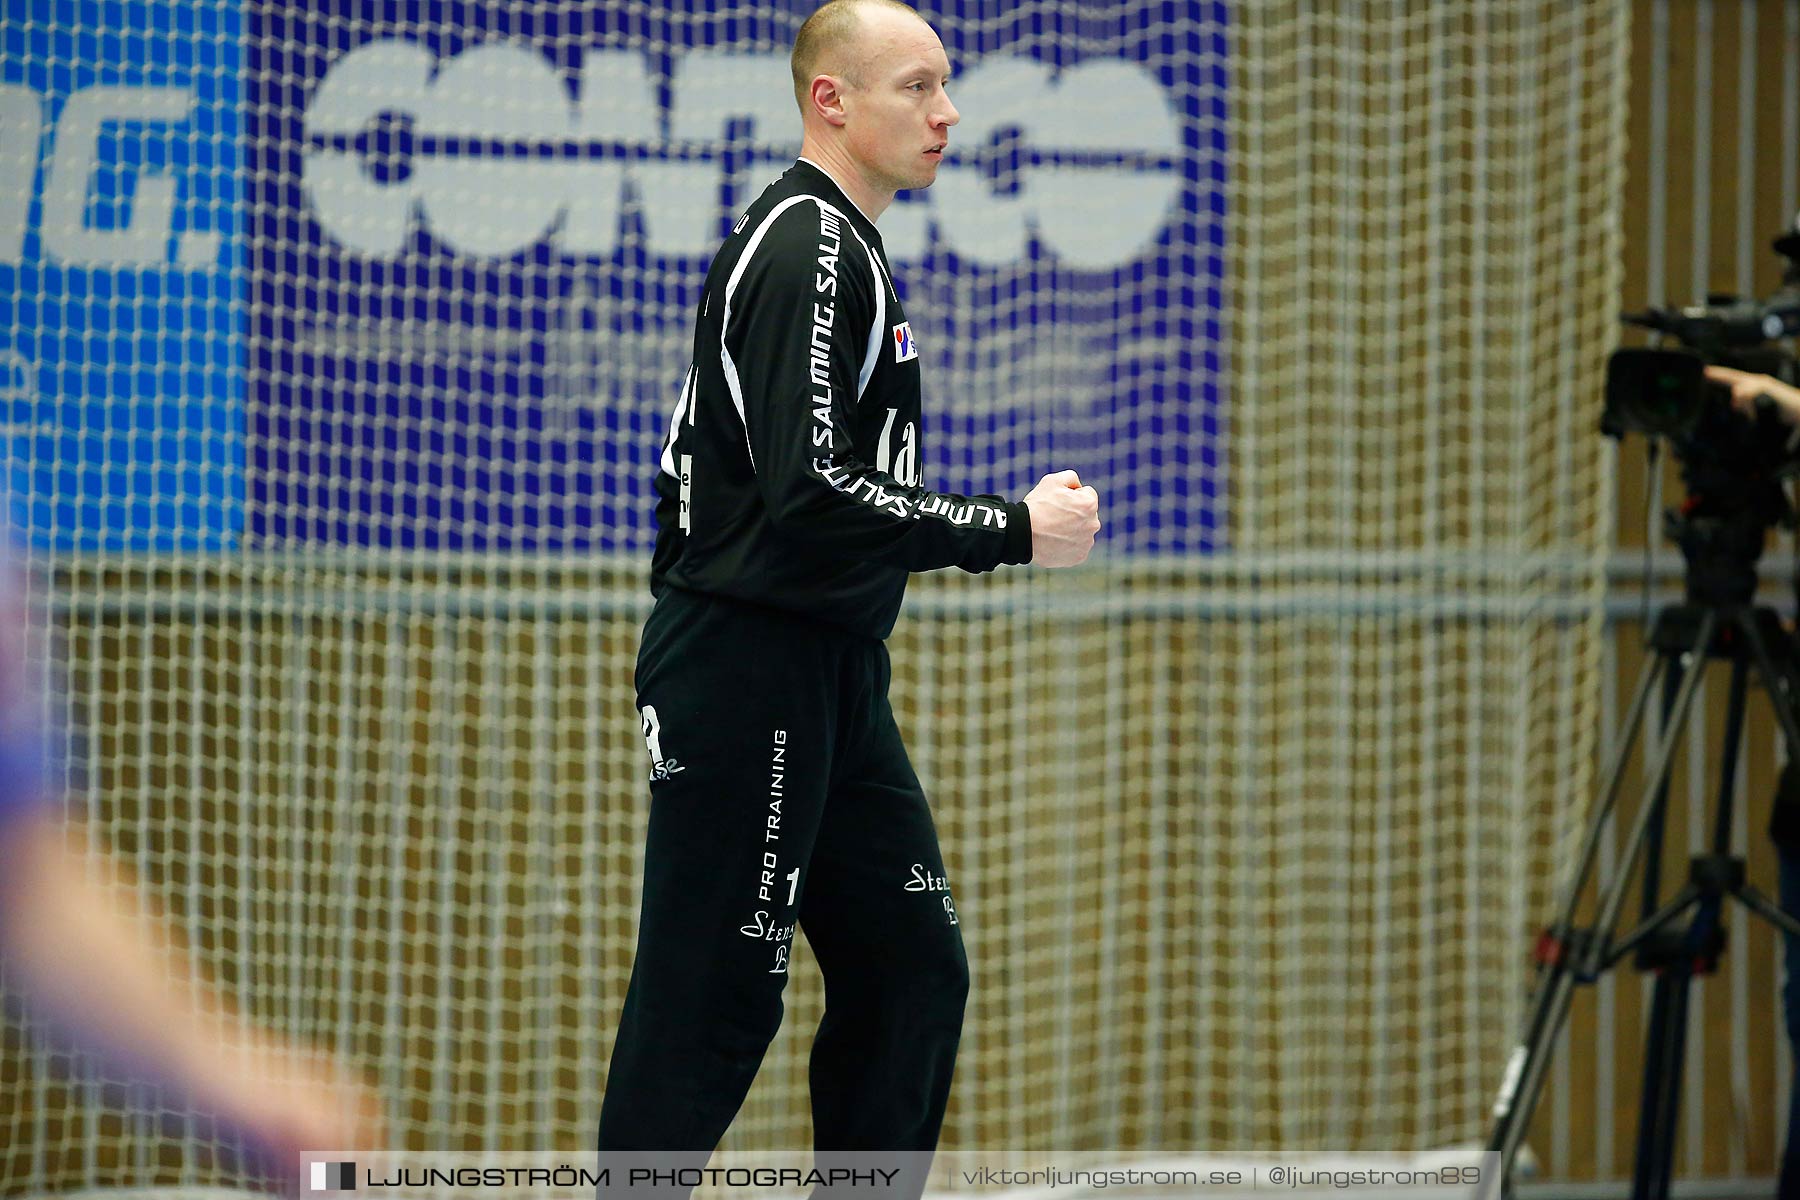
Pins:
<point x="1747" y="386"/>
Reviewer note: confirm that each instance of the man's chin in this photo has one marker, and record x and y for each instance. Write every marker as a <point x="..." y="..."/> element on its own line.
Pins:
<point x="916" y="181"/>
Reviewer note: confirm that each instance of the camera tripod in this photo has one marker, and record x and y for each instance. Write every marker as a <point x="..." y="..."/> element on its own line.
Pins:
<point x="1684" y="936"/>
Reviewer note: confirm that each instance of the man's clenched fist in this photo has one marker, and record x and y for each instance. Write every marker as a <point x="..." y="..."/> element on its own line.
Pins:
<point x="1065" y="516"/>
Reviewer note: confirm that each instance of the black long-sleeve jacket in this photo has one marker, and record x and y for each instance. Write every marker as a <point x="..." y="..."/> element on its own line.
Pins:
<point x="790" y="475"/>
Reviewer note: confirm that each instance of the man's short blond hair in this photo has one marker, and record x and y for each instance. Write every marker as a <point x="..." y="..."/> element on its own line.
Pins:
<point x="824" y="36"/>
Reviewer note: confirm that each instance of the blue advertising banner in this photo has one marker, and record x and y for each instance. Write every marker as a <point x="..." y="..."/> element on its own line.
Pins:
<point x="121" y="288"/>
<point x="478" y="230"/>
<point x="421" y="274"/>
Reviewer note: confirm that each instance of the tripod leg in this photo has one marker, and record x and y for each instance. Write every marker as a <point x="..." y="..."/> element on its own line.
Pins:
<point x="1526" y="1068"/>
<point x="1613" y="776"/>
<point x="1666" y="1041"/>
<point x="1728" y="760"/>
<point x="1683" y="900"/>
<point x="1550" y="1000"/>
<point x="1765" y="908"/>
<point x="1614" y="898"/>
<point x="1664" y="1046"/>
<point x="1653" y="848"/>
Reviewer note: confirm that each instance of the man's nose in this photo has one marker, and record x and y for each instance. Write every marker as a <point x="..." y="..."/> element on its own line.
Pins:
<point x="948" y="116"/>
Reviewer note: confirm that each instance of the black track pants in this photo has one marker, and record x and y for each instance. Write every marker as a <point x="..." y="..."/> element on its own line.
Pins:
<point x="781" y="795"/>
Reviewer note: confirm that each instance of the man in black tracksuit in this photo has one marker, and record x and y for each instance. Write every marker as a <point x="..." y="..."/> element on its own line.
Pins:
<point x="790" y="512"/>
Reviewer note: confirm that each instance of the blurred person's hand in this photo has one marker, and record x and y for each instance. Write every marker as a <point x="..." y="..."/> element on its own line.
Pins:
<point x="97" y="964"/>
<point x="290" y="1098"/>
<point x="1748" y="386"/>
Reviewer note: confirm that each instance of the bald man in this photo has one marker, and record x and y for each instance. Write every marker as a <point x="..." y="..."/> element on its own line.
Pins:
<point x="790" y="511"/>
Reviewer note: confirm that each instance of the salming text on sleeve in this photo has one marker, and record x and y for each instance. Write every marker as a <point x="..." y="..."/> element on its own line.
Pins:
<point x="790" y="476"/>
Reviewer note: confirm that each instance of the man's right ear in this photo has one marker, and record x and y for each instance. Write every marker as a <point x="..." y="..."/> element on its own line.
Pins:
<point x="828" y="99"/>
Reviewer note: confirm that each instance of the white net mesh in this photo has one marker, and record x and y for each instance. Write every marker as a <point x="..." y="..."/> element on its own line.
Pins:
<point x="337" y="461"/>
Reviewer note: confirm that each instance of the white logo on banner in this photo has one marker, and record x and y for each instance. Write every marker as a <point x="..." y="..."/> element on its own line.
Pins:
<point x="75" y="158"/>
<point x="500" y="137"/>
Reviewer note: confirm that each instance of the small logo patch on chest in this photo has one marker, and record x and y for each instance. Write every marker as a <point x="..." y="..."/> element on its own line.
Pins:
<point x="905" y="349"/>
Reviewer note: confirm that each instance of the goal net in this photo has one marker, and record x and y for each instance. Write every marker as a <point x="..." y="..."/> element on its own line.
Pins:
<point x="338" y="343"/>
